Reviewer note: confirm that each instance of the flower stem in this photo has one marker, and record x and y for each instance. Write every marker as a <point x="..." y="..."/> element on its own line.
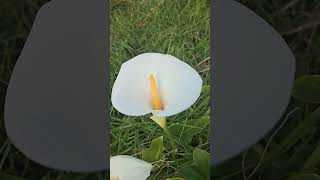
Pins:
<point x="162" y="122"/>
<point x="170" y="137"/>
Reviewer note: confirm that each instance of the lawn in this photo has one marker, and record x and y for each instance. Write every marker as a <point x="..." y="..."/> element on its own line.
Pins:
<point x="179" y="28"/>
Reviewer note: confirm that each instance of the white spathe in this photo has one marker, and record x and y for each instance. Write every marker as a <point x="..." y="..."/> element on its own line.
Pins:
<point x="124" y="167"/>
<point x="179" y="85"/>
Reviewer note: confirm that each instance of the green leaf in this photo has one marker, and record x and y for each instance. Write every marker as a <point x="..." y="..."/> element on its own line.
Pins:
<point x="176" y="178"/>
<point x="307" y="89"/>
<point x="304" y="176"/>
<point x="295" y="135"/>
<point x="313" y="159"/>
<point x="4" y="176"/>
<point x="201" y="159"/>
<point x="155" y="152"/>
<point x="191" y="173"/>
<point x="200" y="169"/>
<point x="186" y="130"/>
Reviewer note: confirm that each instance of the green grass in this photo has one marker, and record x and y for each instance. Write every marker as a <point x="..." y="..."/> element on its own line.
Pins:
<point x="179" y="28"/>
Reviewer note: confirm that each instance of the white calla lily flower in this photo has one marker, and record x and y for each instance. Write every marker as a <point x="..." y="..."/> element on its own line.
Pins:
<point x="155" y="83"/>
<point x="124" y="167"/>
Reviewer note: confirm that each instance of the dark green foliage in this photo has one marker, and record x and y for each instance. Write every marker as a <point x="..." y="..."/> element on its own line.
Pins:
<point x="291" y="150"/>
